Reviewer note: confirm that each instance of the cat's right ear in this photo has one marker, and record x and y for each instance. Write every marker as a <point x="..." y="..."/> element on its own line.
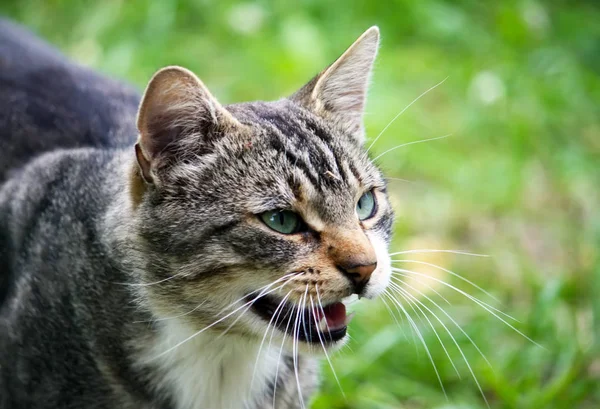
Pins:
<point x="176" y="105"/>
<point x="339" y="93"/>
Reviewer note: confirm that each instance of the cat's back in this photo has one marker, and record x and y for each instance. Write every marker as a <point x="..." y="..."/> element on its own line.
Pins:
<point x="47" y="102"/>
<point x="50" y="204"/>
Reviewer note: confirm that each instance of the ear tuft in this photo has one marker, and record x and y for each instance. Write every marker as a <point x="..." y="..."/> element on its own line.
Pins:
<point x="339" y="93"/>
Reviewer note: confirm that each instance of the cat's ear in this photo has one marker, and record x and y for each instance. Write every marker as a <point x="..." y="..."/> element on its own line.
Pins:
<point x="176" y="105"/>
<point x="339" y="93"/>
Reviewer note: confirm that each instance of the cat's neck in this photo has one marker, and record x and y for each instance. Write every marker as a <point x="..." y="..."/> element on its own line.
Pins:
<point x="117" y="223"/>
<point x="207" y="369"/>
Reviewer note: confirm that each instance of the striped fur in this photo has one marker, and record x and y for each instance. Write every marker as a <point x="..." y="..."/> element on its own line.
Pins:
<point x="124" y="262"/>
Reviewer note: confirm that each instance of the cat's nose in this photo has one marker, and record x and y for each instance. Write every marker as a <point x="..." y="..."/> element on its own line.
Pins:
<point x="359" y="274"/>
<point x="352" y="253"/>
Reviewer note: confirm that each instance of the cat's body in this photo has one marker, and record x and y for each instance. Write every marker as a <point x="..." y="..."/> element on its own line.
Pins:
<point x="126" y="271"/>
<point x="47" y="102"/>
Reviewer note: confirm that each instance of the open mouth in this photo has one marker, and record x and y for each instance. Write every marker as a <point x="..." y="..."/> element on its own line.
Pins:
<point x="312" y="325"/>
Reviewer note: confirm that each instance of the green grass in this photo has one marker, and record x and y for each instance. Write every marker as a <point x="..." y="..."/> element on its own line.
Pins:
<point x="518" y="179"/>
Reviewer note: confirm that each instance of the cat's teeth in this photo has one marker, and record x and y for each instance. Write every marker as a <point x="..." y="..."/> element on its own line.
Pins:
<point x="323" y="324"/>
<point x="349" y="317"/>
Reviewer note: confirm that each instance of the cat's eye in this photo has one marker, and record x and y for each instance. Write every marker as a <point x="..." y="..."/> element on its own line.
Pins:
<point x="366" y="206"/>
<point x="282" y="221"/>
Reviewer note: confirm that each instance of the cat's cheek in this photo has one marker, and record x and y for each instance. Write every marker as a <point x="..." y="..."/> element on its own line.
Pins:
<point x="380" y="278"/>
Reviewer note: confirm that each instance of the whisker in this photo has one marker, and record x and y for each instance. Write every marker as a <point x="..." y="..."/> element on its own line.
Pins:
<point x="312" y="306"/>
<point x="221" y="319"/>
<point x="287" y="327"/>
<point x="452" y="320"/>
<point x="412" y="182"/>
<point x="412" y="332"/>
<point x="173" y="317"/>
<point x="416" y="300"/>
<point x="396" y="319"/>
<point x="321" y="306"/>
<point x="276" y="313"/>
<point x="275" y="328"/>
<point x="302" y="316"/>
<point x="403" y="110"/>
<point x="180" y="274"/>
<point x="451" y="273"/>
<point x="469" y="296"/>
<point x="295" y="352"/>
<point x="409" y="143"/>
<point x="406" y="296"/>
<point x="282" y="278"/>
<point x="422" y="282"/>
<point x="204" y="302"/>
<point x="483" y="305"/>
<point x="416" y="329"/>
<point x="250" y="306"/>
<point x="419" y="251"/>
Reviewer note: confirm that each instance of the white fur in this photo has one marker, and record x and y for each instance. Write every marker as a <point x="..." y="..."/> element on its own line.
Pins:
<point x="208" y="371"/>
<point x="381" y="276"/>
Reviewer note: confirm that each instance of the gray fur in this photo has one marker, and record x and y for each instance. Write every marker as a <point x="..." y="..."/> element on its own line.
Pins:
<point x="104" y="249"/>
<point x="47" y="102"/>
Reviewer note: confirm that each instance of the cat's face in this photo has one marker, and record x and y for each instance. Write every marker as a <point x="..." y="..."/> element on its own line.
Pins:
<point x="265" y="215"/>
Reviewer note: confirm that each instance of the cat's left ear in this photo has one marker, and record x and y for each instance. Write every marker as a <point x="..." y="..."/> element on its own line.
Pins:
<point x="339" y="93"/>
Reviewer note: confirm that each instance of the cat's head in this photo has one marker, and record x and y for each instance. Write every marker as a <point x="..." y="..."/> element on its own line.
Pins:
<point x="264" y="214"/>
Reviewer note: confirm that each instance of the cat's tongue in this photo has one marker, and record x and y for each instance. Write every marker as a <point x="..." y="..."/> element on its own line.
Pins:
<point x="333" y="317"/>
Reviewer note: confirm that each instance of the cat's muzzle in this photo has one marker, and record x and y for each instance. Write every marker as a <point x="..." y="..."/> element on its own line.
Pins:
<point x="313" y="324"/>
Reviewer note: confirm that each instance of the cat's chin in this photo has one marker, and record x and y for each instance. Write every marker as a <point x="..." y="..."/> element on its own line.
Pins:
<point x="324" y="326"/>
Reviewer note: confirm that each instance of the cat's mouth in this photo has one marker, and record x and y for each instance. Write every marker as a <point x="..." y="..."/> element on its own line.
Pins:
<point x="312" y="325"/>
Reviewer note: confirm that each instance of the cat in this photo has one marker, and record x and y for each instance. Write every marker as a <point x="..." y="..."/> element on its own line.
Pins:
<point x="206" y="264"/>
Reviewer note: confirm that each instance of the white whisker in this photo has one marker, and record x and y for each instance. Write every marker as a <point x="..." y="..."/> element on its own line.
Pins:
<point x="408" y="297"/>
<point x="287" y="327"/>
<point x="403" y="110"/>
<point x="483" y="305"/>
<point x="276" y="313"/>
<point x="280" y="279"/>
<point x="175" y="316"/>
<point x="419" y="251"/>
<point x="152" y="283"/>
<point x="453" y="321"/>
<point x="250" y="305"/>
<point x="469" y="296"/>
<point x="449" y="272"/>
<point x="223" y="318"/>
<point x="416" y="300"/>
<point x="295" y="350"/>
<point x="396" y="320"/>
<point x="412" y="182"/>
<point x="416" y="329"/>
<point x="422" y="282"/>
<point x="409" y="143"/>
<point x="312" y="306"/>
<point x="321" y="306"/>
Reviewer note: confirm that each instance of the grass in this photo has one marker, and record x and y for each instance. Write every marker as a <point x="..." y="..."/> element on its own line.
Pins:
<point x="517" y="180"/>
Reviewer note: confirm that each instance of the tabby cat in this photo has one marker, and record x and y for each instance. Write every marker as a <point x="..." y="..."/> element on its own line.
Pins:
<point x="205" y="265"/>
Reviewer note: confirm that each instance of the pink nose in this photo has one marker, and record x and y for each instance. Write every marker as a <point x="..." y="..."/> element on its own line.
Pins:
<point x="352" y="253"/>
<point x="359" y="274"/>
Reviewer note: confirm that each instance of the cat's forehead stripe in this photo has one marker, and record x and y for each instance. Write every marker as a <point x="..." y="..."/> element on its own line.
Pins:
<point x="296" y="160"/>
<point x="315" y="151"/>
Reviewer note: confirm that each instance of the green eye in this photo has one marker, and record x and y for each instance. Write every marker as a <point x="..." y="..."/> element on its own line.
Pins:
<point x="282" y="221"/>
<point x="365" y="208"/>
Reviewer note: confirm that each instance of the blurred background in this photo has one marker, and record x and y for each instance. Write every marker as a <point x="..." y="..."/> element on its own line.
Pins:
<point x="518" y="179"/>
